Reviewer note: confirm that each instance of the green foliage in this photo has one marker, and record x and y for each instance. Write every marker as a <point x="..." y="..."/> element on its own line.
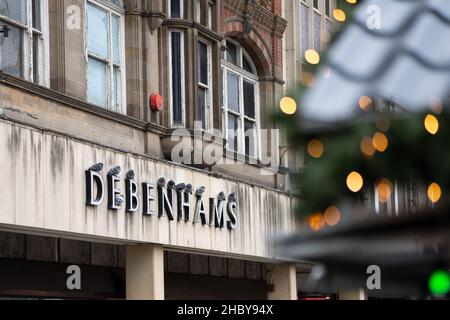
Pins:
<point x="412" y="151"/>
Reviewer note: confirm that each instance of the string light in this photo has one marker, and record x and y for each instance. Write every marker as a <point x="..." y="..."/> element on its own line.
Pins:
<point x="312" y="56"/>
<point x="431" y="124"/>
<point x="339" y="15"/>
<point x="316" y="221"/>
<point x="380" y="142"/>
<point x="332" y="216"/>
<point x="308" y="79"/>
<point x="355" y="182"/>
<point x="365" y="103"/>
<point x="383" y="123"/>
<point x="367" y="147"/>
<point x="384" y="190"/>
<point x="434" y="192"/>
<point x="288" y="105"/>
<point x="316" y="149"/>
<point x="352" y="1"/>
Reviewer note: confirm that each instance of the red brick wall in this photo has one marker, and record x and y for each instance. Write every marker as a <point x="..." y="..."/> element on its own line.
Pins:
<point x="268" y="51"/>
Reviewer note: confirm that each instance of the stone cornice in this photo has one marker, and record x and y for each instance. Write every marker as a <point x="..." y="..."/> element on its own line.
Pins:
<point x="68" y="101"/>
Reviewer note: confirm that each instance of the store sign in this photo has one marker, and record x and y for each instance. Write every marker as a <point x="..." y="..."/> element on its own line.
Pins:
<point x="166" y="193"/>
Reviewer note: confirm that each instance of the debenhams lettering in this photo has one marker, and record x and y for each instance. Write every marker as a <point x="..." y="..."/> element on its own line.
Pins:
<point x="95" y="194"/>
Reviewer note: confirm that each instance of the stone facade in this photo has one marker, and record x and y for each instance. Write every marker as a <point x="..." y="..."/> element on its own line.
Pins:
<point x="51" y="134"/>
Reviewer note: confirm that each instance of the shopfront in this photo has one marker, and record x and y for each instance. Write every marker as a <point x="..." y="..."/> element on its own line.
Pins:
<point x="61" y="199"/>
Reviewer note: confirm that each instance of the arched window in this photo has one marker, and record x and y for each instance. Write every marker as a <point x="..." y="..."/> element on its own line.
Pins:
<point x="240" y="101"/>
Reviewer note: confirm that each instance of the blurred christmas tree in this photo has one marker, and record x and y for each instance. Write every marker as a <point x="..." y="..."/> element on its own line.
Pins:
<point x="373" y="150"/>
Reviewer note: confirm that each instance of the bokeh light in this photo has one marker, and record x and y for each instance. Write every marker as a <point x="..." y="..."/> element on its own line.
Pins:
<point x="367" y="147"/>
<point x="384" y="190"/>
<point x="316" y="221"/>
<point x="332" y="216"/>
<point x="434" y="192"/>
<point x="316" y="148"/>
<point x="431" y="124"/>
<point x="365" y="103"/>
<point x="312" y="56"/>
<point x="439" y="283"/>
<point x="339" y="15"/>
<point x="383" y="123"/>
<point x="288" y="105"/>
<point x="308" y="79"/>
<point x="355" y="181"/>
<point x="380" y="142"/>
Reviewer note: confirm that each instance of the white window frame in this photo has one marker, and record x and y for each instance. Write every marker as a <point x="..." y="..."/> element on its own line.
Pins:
<point x="43" y="74"/>
<point x="183" y="80"/>
<point x="228" y="67"/>
<point x="169" y="9"/>
<point x="209" y="87"/>
<point x="319" y="6"/>
<point x="111" y="66"/>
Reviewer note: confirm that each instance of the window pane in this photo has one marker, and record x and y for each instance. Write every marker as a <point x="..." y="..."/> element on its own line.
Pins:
<point x="116" y="86"/>
<point x="97" y="82"/>
<point x="116" y="2"/>
<point x="116" y="39"/>
<point x="11" y="54"/>
<point x="233" y="92"/>
<point x="14" y="9"/>
<point x="305" y="29"/>
<point x="97" y="31"/>
<point x="176" y="78"/>
<point x="175" y="9"/>
<point x="246" y="65"/>
<point x="231" y="53"/>
<point x="35" y="58"/>
<point x="250" y="136"/>
<point x="36" y="7"/>
<point x="203" y="63"/>
<point x="202" y="106"/>
<point x="232" y="133"/>
<point x="316" y="4"/>
<point x="249" y="99"/>
<point x="316" y="22"/>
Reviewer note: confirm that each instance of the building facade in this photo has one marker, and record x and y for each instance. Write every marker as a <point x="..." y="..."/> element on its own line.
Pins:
<point x="108" y="110"/>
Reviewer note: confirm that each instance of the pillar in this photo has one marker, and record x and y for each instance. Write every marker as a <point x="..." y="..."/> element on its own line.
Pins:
<point x="282" y="281"/>
<point x="145" y="272"/>
<point x="352" y="294"/>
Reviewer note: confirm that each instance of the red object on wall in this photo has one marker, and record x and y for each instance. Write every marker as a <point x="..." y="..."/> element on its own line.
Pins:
<point x="156" y="102"/>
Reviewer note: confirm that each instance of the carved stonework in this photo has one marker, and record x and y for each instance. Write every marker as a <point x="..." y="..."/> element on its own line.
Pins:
<point x="268" y="4"/>
<point x="260" y="14"/>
